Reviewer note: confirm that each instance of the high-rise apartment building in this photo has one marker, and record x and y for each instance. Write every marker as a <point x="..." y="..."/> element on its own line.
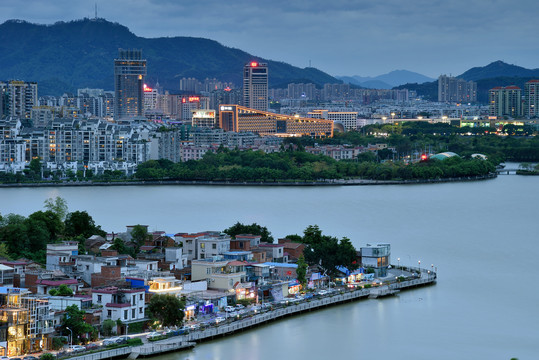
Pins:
<point x="531" y="99"/>
<point x="453" y="90"/>
<point x="505" y="101"/>
<point x="129" y="73"/>
<point x="20" y="97"/>
<point x="255" y="86"/>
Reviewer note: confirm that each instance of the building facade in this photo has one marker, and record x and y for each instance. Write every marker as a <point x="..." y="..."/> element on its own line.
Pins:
<point x="505" y="101"/>
<point x="453" y="90"/>
<point x="531" y="101"/>
<point x="241" y="119"/>
<point x="129" y="74"/>
<point x="255" y="86"/>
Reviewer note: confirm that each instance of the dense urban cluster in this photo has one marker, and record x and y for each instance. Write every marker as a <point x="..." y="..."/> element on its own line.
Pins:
<point x="98" y="134"/>
<point x="63" y="277"/>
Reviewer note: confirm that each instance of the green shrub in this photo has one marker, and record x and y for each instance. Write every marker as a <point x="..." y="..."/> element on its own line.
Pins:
<point x="367" y="286"/>
<point x="47" y="356"/>
<point x="134" y="342"/>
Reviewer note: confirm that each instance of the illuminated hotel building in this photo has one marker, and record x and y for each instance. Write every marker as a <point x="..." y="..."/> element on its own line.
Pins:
<point x="255" y="86"/>
<point x="242" y="119"/>
<point x="129" y="73"/>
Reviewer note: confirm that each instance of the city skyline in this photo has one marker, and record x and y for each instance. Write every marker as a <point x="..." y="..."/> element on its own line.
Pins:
<point x="350" y="38"/>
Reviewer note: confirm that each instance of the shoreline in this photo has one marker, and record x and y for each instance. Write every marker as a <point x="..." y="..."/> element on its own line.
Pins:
<point x="336" y="182"/>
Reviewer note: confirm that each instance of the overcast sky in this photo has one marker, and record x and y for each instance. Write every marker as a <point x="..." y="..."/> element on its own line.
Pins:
<point x="341" y="37"/>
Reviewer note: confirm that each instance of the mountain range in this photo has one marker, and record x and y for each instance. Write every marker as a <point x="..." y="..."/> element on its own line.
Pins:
<point x="69" y="55"/>
<point x="497" y="73"/>
<point x="386" y="81"/>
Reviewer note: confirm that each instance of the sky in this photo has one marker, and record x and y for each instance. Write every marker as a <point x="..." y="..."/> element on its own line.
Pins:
<point x="340" y="37"/>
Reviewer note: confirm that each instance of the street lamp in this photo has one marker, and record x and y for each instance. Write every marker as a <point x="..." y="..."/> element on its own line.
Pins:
<point x="399" y="264"/>
<point x="419" y="264"/>
<point x="432" y="269"/>
<point x="71" y="338"/>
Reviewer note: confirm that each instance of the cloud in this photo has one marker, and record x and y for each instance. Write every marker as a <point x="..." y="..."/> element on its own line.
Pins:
<point x="339" y="36"/>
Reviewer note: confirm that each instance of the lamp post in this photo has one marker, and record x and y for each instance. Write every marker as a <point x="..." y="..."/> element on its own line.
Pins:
<point x="399" y="264"/>
<point x="419" y="264"/>
<point x="432" y="269"/>
<point x="71" y="338"/>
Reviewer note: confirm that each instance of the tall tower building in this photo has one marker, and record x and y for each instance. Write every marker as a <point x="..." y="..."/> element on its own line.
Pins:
<point x="129" y="74"/>
<point x="21" y="98"/>
<point x="255" y="86"/>
<point x="531" y="103"/>
<point x="452" y="89"/>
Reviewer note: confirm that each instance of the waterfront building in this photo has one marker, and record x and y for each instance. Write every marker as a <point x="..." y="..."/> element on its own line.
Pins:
<point x="242" y="119"/>
<point x="377" y="257"/>
<point x="453" y="90"/>
<point x="220" y="274"/>
<point x="255" y="86"/>
<point x="129" y="74"/>
<point x="120" y="304"/>
<point x="531" y="101"/>
<point x="505" y="101"/>
<point x="26" y="323"/>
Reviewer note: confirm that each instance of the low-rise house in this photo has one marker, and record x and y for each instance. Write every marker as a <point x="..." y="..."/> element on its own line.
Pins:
<point x="282" y="271"/>
<point x="62" y="256"/>
<point x="274" y="252"/>
<point x="218" y="273"/>
<point x="126" y="305"/>
<point x="293" y="249"/>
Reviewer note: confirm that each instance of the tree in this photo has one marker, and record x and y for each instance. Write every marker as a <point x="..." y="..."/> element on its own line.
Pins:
<point x="327" y="251"/>
<point x="107" y="327"/>
<point x="167" y="309"/>
<point x="81" y="223"/>
<point x="301" y="271"/>
<point x="4" y="251"/>
<point x="57" y="205"/>
<point x="139" y="234"/>
<point x="74" y="320"/>
<point x="253" y="229"/>
<point x="63" y="290"/>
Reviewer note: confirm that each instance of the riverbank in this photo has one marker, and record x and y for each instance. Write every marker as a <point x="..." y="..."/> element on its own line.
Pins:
<point x="333" y="182"/>
<point x="278" y="312"/>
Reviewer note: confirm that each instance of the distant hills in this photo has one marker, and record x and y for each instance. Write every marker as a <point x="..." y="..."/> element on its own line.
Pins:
<point x="69" y="55"/>
<point x="494" y="74"/>
<point x="386" y="81"/>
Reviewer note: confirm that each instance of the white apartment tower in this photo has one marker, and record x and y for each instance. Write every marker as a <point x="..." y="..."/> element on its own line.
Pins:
<point x="255" y="86"/>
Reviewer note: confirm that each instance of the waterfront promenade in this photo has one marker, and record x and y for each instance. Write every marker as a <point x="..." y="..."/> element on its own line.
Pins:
<point x="229" y="327"/>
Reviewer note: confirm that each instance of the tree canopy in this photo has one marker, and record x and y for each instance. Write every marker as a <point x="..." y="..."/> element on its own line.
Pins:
<point x="326" y="251"/>
<point x="167" y="309"/>
<point x="253" y="229"/>
<point x="74" y="320"/>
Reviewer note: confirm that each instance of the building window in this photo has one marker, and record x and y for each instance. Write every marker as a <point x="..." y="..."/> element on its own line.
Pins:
<point x="125" y="314"/>
<point x="202" y="245"/>
<point x="133" y="313"/>
<point x="214" y="246"/>
<point x="109" y="313"/>
<point x="87" y="267"/>
<point x="141" y="297"/>
<point x="208" y="271"/>
<point x="99" y="298"/>
<point x="134" y="299"/>
<point x="140" y="310"/>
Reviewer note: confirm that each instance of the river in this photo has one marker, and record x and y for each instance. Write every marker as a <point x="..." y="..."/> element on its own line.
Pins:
<point x="481" y="236"/>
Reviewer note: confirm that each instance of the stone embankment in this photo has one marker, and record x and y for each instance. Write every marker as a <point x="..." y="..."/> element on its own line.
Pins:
<point x="337" y="182"/>
<point x="189" y="340"/>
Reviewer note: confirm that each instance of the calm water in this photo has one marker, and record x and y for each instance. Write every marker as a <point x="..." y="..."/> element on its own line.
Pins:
<point x="482" y="237"/>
